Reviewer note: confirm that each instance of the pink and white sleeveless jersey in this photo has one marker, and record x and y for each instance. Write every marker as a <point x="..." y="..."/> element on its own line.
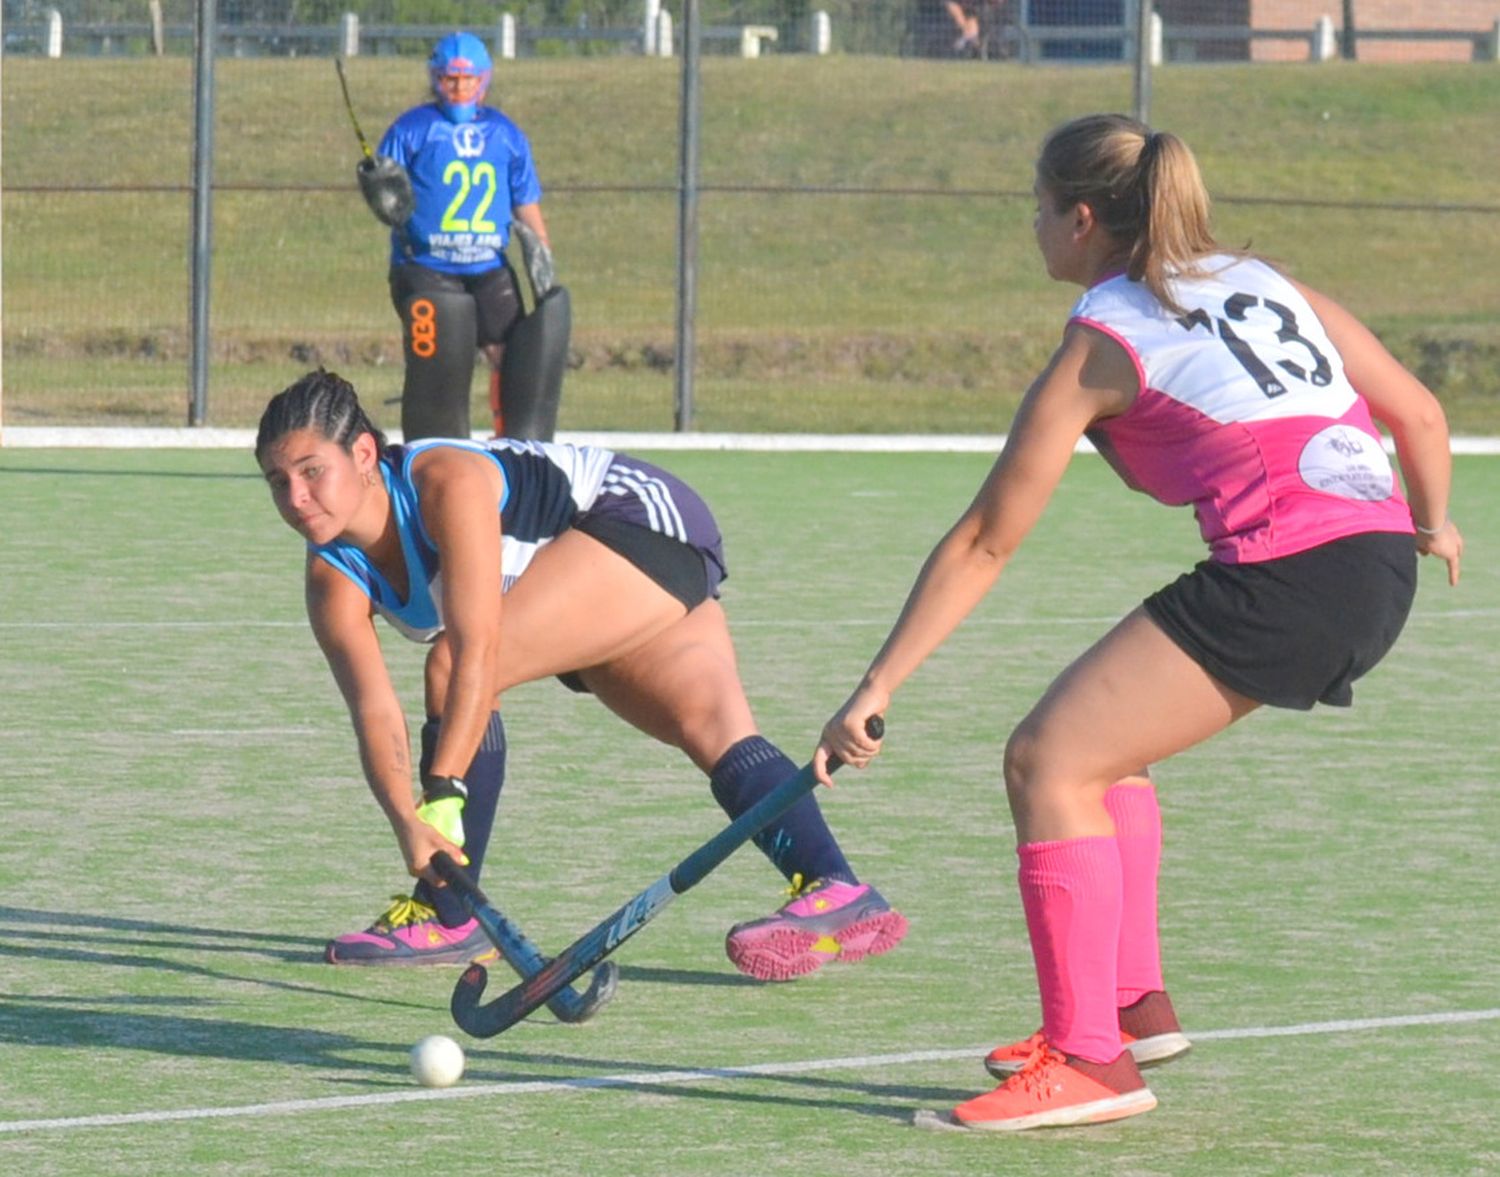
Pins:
<point x="1244" y="411"/>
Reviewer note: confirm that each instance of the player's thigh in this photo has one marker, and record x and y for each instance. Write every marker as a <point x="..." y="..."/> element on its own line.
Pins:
<point x="409" y="280"/>
<point x="1133" y="699"/>
<point x="682" y="687"/>
<point x="497" y="304"/>
<point x="578" y="604"/>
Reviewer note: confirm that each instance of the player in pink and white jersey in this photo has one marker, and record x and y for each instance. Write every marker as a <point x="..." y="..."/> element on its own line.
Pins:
<point x="1205" y="376"/>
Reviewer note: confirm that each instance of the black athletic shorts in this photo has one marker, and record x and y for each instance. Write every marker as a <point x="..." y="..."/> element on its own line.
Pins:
<point x="497" y="298"/>
<point x="1298" y="630"/>
<point x="688" y="562"/>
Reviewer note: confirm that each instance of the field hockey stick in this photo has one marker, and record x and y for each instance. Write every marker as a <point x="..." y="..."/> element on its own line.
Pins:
<point x="485" y="1021"/>
<point x="338" y="64"/>
<point x="382" y="181"/>
<point x="520" y="953"/>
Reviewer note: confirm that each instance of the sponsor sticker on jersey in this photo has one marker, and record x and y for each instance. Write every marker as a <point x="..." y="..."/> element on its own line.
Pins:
<point x="1344" y="461"/>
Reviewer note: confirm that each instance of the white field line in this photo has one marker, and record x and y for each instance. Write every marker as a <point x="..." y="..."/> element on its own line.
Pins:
<point x="65" y="437"/>
<point x="692" y="1075"/>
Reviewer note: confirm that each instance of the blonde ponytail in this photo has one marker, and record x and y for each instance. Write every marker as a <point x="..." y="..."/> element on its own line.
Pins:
<point x="1144" y="189"/>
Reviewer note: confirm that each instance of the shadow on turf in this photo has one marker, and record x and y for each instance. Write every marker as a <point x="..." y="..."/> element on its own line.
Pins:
<point x="78" y="1022"/>
<point x="36" y="925"/>
<point x="119" y="943"/>
<point x="904" y="1094"/>
<point x="500" y="1066"/>
<point x="632" y="972"/>
<point x="173" y="935"/>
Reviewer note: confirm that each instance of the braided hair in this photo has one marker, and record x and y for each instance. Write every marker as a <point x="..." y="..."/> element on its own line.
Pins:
<point x="322" y="401"/>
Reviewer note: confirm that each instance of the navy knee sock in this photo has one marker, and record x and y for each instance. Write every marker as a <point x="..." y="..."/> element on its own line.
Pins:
<point x="485" y="778"/>
<point x="799" y="842"/>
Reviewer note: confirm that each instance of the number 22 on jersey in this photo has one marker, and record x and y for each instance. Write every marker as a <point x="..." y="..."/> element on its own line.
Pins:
<point x="465" y="180"/>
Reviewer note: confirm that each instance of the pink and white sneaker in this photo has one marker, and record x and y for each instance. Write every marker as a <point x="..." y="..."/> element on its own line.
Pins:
<point x="826" y="920"/>
<point x="409" y="933"/>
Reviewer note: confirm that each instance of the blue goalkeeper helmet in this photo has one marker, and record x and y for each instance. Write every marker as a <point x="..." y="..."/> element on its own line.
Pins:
<point x="462" y="55"/>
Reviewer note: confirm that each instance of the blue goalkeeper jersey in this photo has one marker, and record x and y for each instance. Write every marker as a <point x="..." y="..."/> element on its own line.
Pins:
<point x="466" y="178"/>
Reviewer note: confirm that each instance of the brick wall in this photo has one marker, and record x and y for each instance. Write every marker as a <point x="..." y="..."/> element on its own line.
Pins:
<point x="1477" y="15"/>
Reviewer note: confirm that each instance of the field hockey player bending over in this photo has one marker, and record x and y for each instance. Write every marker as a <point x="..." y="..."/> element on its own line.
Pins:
<point x="1205" y="376"/>
<point x="521" y="560"/>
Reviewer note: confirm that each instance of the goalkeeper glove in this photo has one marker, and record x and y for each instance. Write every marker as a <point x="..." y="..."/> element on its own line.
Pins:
<point x="387" y="190"/>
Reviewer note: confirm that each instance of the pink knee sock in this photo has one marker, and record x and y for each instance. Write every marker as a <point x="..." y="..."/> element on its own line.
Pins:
<point x="1132" y="804"/>
<point x="1071" y="893"/>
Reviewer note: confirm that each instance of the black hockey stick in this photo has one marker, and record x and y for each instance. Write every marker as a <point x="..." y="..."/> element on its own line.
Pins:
<point x="485" y="1021"/>
<point x="520" y="953"/>
<point x="338" y="64"/>
<point x="382" y="181"/>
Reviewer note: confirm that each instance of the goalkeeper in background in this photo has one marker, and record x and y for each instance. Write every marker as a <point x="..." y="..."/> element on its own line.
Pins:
<point x="472" y="176"/>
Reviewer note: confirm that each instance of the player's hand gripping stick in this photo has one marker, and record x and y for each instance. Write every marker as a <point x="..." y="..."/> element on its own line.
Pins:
<point x="538" y="989"/>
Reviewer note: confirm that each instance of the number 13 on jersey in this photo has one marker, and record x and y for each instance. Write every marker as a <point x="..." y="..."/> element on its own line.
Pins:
<point x="1237" y="307"/>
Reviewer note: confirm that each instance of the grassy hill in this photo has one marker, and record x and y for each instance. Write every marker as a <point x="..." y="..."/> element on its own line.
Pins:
<point x="865" y="260"/>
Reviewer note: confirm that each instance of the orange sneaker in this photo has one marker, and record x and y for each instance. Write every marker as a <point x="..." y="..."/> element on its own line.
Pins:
<point x="1148" y="1029"/>
<point x="1055" y="1090"/>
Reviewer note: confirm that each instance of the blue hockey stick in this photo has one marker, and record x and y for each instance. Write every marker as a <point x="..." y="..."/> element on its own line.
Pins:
<point x="485" y="1021"/>
<point x="520" y="953"/>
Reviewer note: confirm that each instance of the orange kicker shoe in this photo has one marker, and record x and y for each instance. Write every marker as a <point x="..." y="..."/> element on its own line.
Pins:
<point x="1054" y="1090"/>
<point x="1148" y="1029"/>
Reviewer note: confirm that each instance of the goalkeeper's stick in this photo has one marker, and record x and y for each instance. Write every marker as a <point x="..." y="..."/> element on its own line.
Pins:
<point x="338" y="64"/>
<point x="383" y="182"/>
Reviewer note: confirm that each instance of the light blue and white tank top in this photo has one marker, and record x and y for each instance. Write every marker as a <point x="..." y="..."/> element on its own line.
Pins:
<point x="547" y="485"/>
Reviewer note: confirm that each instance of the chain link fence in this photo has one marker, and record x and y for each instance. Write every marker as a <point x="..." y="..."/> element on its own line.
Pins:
<point x="865" y="261"/>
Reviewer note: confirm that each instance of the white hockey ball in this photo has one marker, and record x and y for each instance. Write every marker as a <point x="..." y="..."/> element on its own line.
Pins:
<point x="437" y="1061"/>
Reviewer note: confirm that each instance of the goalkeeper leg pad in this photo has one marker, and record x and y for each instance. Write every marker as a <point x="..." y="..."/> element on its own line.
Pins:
<point x="531" y="371"/>
<point x="439" y="336"/>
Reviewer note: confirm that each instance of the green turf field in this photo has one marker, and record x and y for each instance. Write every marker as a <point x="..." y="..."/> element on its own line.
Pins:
<point x="186" y="826"/>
